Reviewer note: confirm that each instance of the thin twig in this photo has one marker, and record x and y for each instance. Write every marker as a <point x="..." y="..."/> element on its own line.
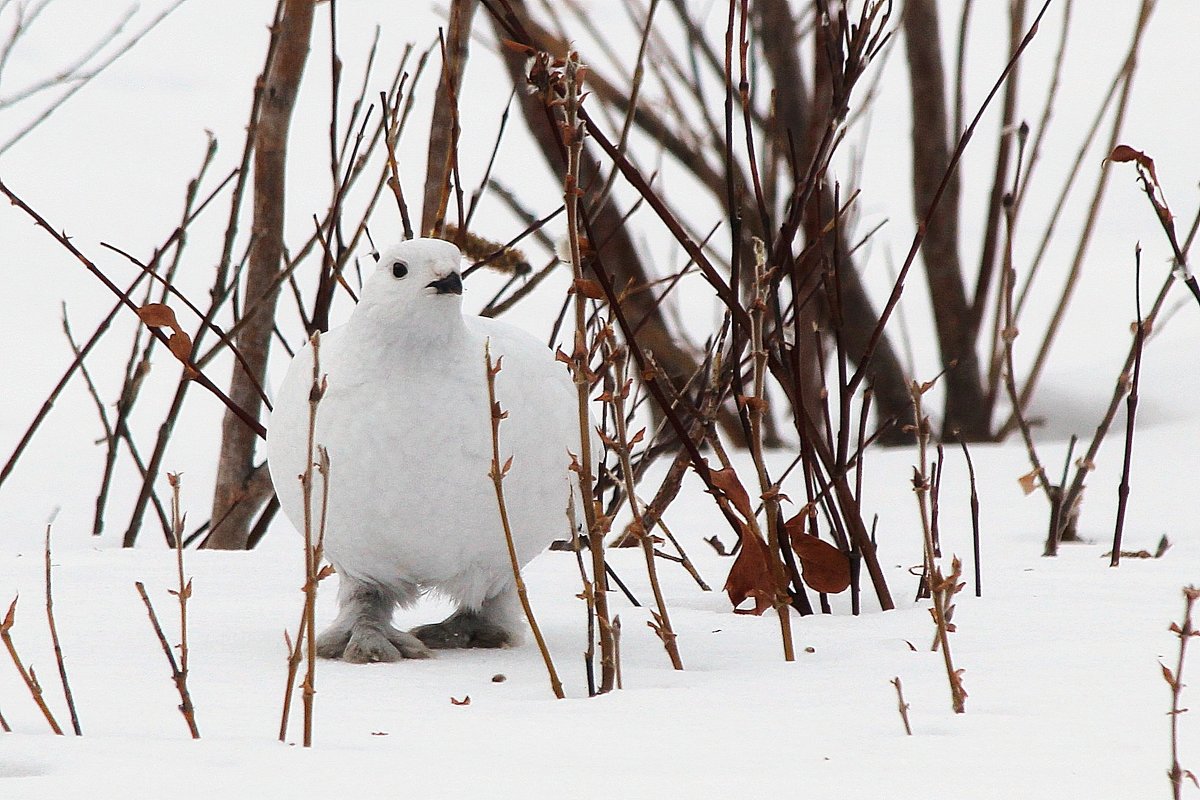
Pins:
<point x="497" y="473"/>
<point x="1131" y="403"/>
<point x="974" y="516"/>
<point x="177" y="675"/>
<point x="573" y="131"/>
<point x="1175" y="680"/>
<point x="27" y="675"/>
<point x="58" y="654"/>
<point x="756" y="406"/>
<point x="1128" y="71"/>
<point x="618" y="393"/>
<point x="903" y="706"/>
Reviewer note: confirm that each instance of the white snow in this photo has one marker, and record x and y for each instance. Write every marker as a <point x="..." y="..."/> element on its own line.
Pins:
<point x="1062" y="655"/>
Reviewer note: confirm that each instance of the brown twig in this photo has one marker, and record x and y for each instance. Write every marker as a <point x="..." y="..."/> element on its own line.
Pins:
<point x="903" y="706"/>
<point x="573" y="132"/>
<point x="111" y="436"/>
<point x="497" y="473"/>
<point x="617" y="649"/>
<point x="313" y="544"/>
<point x="27" y="675"/>
<point x="177" y="675"/>
<point x="1127" y="74"/>
<point x="58" y="654"/>
<point x="942" y="589"/>
<point x="199" y="377"/>
<point x="1174" y="679"/>
<point x="74" y="366"/>
<point x="235" y="464"/>
<point x="756" y="406"/>
<point x="1139" y="341"/>
<point x="974" y="517"/>
<point x="617" y="394"/>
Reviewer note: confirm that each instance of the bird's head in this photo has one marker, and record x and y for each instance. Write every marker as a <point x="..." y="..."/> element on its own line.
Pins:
<point x="413" y="275"/>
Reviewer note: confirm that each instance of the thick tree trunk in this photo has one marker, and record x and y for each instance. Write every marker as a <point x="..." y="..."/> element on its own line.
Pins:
<point x="443" y="128"/>
<point x="242" y="488"/>
<point x="616" y="246"/>
<point x="805" y="117"/>
<point x="966" y="410"/>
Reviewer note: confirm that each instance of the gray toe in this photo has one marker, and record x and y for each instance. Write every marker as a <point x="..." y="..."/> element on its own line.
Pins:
<point x="462" y="630"/>
<point x="369" y="645"/>
<point x="332" y="643"/>
<point x="408" y="645"/>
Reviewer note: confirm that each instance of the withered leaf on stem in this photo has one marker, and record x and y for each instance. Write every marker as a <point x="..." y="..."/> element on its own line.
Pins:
<point x="1028" y="481"/>
<point x="180" y="345"/>
<point x="727" y="481"/>
<point x="750" y="576"/>
<point x="160" y="315"/>
<point x="822" y="566"/>
<point x="1167" y="675"/>
<point x="1123" y="153"/>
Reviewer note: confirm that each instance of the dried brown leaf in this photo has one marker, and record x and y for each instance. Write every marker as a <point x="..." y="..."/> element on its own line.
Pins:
<point x="727" y="481"/>
<point x="1168" y="676"/>
<point x="822" y="566"/>
<point x="1123" y="153"/>
<point x="158" y="315"/>
<point x="7" y="624"/>
<point x="750" y="576"/>
<point x="180" y="345"/>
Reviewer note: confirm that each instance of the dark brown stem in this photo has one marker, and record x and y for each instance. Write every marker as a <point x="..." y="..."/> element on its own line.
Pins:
<point x="573" y="131"/>
<point x="235" y="465"/>
<point x="178" y="676"/>
<point x="1139" y="340"/>
<point x="903" y="706"/>
<point x="1185" y="632"/>
<point x="497" y="473"/>
<point x="58" y="654"/>
<point x="936" y="187"/>
<point x="27" y="675"/>
<point x="619" y="392"/>
<point x="1127" y="73"/>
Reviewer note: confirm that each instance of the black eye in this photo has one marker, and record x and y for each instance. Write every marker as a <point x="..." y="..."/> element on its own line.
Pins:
<point x="399" y="269"/>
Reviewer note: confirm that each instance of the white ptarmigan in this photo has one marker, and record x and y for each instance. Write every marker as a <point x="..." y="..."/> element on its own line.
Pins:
<point x="407" y="425"/>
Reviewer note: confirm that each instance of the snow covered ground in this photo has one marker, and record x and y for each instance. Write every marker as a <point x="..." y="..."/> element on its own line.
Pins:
<point x="1062" y="655"/>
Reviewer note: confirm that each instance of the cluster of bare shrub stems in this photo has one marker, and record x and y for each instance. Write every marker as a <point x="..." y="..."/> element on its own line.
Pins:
<point x="799" y="345"/>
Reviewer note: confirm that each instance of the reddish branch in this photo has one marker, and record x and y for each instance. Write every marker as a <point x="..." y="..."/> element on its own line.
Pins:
<point x="241" y="487"/>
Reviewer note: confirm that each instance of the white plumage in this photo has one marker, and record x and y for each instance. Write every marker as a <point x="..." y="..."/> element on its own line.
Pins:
<point x="406" y="422"/>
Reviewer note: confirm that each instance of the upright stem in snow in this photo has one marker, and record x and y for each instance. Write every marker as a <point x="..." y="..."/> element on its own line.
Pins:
<point x="497" y="473"/>
<point x="662" y="621"/>
<point x="313" y="545"/>
<point x="314" y="548"/>
<point x="573" y="138"/>
<point x="1131" y="401"/>
<point x="757" y="405"/>
<point x="1175" y="680"/>
<point x="58" y="655"/>
<point x="27" y="675"/>
<point x="177" y="675"/>
<point x="941" y="588"/>
<point x="183" y="594"/>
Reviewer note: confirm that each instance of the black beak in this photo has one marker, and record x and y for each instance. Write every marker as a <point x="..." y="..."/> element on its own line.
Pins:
<point x="451" y="284"/>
